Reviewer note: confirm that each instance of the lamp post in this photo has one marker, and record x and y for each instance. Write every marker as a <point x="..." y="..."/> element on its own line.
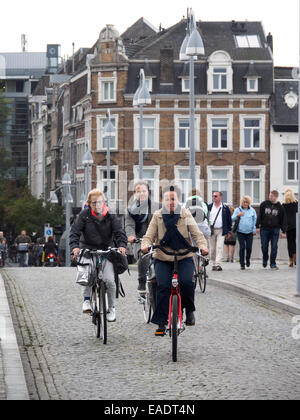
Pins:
<point x="191" y="47"/>
<point x="66" y="185"/>
<point x="142" y="97"/>
<point x="87" y="163"/>
<point x="108" y="132"/>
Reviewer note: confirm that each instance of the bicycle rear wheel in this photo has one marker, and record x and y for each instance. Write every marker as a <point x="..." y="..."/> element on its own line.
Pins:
<point x="174" y="327"/>
<point x="103" y="312"/>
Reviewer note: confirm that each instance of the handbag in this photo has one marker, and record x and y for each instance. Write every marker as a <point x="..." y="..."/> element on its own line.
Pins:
<point x="23" y="247"/>
<point x="212" y="227"/>
<point x="119" y="262"/>
<point x="236" y="224"/>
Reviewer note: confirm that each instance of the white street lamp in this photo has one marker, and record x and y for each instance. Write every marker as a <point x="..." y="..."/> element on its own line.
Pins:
<point x="108" y="132"/>
<point x="191" y="47"/>
<point x="141" y="98"/>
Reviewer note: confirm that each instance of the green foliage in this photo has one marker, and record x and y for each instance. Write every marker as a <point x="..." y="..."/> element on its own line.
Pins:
<point x="4" y="112"/>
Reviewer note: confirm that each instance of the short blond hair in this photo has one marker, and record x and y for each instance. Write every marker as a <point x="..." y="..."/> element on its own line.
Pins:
<point x="247" y="199"/>
<point x="99" y="193"/>
<point x="289" y="196"/>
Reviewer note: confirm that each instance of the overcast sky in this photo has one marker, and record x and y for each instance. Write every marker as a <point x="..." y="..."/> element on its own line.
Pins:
<point x="80" y="21"/>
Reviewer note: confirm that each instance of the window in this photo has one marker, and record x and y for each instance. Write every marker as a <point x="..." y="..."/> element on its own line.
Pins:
<point x="102" y="142"/>
<point x="220" y="73"/>
<point x="150" y="132"/>
<point x="252" y="84"/>
<point x="252" y="133"/>
<point x="19" y="86"/>
<point x="102" y="181"/>
<point x="219" y="79"/>
<point x="107" y="88"/>
<point x="182" y="178"/>
<point x="247" y="41"/>
<point x="253" y="183"/>
<point x="151" y="176"/>
<point x="220" y="179"/>
<point x="80" y="151"/>
<point x="149" y="83"/>
<point x="185" y="87"/>
<point x="292" y="165"/>
<point x="220" y="133"/>
<point x="182" y="132"/>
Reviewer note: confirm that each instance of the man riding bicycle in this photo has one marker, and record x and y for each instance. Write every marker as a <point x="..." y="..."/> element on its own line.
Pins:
<point x="97" y="229"/>
<point x="172" y="227"/>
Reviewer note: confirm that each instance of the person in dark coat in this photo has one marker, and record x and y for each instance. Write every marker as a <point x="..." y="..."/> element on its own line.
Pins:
<point x="290" y="205"/>
<point x="96" y="228"/>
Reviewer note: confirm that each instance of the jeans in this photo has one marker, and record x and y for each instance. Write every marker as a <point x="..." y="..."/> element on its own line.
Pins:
<point x="266" y="236"/>
<point x="164" y="273"/>
<point x="246" y="242"/>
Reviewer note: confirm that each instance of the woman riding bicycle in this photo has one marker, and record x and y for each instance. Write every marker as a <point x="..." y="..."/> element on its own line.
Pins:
<point x="174" y="228"/>
<point x="97" y="229"/>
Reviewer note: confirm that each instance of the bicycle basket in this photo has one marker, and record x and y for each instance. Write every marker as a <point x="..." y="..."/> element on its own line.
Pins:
<point x="86" y="270"/>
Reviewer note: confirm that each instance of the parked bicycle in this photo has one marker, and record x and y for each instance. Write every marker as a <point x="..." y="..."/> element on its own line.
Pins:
<point x="175" y="323"/>
<point x="200" y="274"/>
<point x="99" y="301"/>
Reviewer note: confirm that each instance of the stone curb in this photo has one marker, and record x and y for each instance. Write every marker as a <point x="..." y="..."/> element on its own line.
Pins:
<point x="263" y="297"/>
<point x="14" y="378"/>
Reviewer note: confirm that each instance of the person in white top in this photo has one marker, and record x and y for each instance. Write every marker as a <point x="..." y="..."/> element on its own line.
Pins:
<point x="220" y="224"/>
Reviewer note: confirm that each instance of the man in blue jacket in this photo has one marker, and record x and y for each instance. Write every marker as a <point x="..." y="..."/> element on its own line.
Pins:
<point x="221" y="223"/>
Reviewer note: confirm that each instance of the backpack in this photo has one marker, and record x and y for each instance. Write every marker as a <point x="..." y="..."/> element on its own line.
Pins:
<point x="198" y="208"/>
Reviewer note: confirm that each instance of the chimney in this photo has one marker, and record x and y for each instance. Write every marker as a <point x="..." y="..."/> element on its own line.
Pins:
<point x="270" y="41"/>
<point x="166" y="65"/>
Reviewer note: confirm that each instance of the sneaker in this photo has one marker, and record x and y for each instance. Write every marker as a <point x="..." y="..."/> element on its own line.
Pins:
<point x="264" y="265"/>
<point x="248" y="264"/>
<point x="219" y="268"/>
<point x="243" y="267"/>
<point x="86" y="307"/>
<point x="111" y="315"/>
<point x="190" y="319"/>
<point x="161" y="330"/>
<point x="274" y="267"/>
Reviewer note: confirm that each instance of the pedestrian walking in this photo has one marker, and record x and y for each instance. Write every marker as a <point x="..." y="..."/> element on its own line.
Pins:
<point x="290" y="205"/>
<point x="271" y="218"/>
<point x="246" y="217"/>
<point x="220" y="225"/>
<point x="230" y="242"/>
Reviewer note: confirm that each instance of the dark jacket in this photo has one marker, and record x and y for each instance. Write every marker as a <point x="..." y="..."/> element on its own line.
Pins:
<point x="271" y="216"/>
<point x="226" y="218"/>
<point x="132" y="228"/>
<point x="91" y="233"/>
<point x="291" y="209"/>
<point x="50" y="248"/>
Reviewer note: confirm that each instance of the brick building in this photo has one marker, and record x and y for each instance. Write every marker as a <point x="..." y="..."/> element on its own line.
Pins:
<point x="233" y="88"/>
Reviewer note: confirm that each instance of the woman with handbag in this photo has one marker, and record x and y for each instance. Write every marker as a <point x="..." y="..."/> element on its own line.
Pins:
<point x="244" y="218"/>
<point x="230" y="242"/>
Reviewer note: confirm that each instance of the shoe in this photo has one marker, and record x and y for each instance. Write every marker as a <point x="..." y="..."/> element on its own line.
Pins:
<point x="243" y="267"/>
<point x="142" y="286"/>
<point x="247" y="263"/>
<point x="161" y="330"/>
<point x="86" y="307"/>
<point x="111" y="315"/>
<point x="219" y="268"/>
<point x="231" y="260"/>
<point x="264" y="265"/>
<point x="291" y="262"/>
<point x="274" y="267"/>
<point x="190" y="319"/>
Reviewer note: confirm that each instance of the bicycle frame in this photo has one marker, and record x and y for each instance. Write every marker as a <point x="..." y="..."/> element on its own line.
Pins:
<point x="175" y="291"/>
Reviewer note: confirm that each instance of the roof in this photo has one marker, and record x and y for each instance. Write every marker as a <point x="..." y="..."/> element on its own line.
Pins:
<point x="23" y="64"/>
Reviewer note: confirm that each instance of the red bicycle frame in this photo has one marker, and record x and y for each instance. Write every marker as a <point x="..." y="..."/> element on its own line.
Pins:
<point x="175" y="291"/>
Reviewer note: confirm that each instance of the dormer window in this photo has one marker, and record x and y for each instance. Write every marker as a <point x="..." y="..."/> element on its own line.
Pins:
<point x="247" y="41"/>
<point x="252" y="84"/>
<point x="149" y="83"/>
<point x="219" y="73"/>
<point x="185" y="84"/>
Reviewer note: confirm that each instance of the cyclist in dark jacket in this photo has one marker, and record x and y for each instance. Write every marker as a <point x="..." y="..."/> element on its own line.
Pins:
<point x="97" y="228"/>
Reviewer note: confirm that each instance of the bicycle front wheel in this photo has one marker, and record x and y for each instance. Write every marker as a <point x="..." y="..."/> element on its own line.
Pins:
<point x="103" y="312"/>
<point x="174" y="327"/>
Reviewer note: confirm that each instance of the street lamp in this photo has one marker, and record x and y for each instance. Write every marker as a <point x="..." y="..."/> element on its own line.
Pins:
<point x="108" y="132"/>
<point x="66" y="184"/>
<point x="191" y="47"/>
<point x="142" y="97"/>
<point x="87" y="162"/>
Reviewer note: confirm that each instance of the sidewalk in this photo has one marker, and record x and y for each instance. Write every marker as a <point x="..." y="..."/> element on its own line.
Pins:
<point x="12" y="379"/>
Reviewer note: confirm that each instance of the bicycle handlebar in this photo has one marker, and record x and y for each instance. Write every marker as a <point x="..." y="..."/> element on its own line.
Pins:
<point x="192" y="249"/>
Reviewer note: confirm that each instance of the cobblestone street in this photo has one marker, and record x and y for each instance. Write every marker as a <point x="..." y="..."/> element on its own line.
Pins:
<point x="239" y="348"/>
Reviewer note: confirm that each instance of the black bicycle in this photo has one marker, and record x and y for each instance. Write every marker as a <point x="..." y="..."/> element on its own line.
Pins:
<point x="200" y="273"/>
<point x="99" y="301"/>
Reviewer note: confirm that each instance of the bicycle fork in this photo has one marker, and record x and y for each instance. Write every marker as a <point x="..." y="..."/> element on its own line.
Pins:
<point x="175" y="292"/>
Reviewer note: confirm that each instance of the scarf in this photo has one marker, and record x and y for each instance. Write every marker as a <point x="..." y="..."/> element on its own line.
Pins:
<point x="139" y="212"/>
<point x="104" y="212"/>
<point x="173" y="238"/>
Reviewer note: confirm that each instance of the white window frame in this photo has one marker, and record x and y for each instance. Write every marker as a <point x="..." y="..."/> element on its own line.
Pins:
<point x="286" y="151"/>
<point x="101" y="81"/>
<point x="100" y="139"/>
<point x="217" y="60"/>
<point x="187" y="181"/>
<point x="210" y="118"/>
<point x="183" y="86"/>
<point x="262" y="132"/>
<point x="149" y="83"/>
<point x="156" y="169"/>
<point x="252" y="79"/>
<point x="136" y="129"/>
<point x="229" y="179"/>
<point x="262" y="181"/>
<point x="100" y="182"/>
<point x="177" y="118"/>
<point x="220" y="76"/>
